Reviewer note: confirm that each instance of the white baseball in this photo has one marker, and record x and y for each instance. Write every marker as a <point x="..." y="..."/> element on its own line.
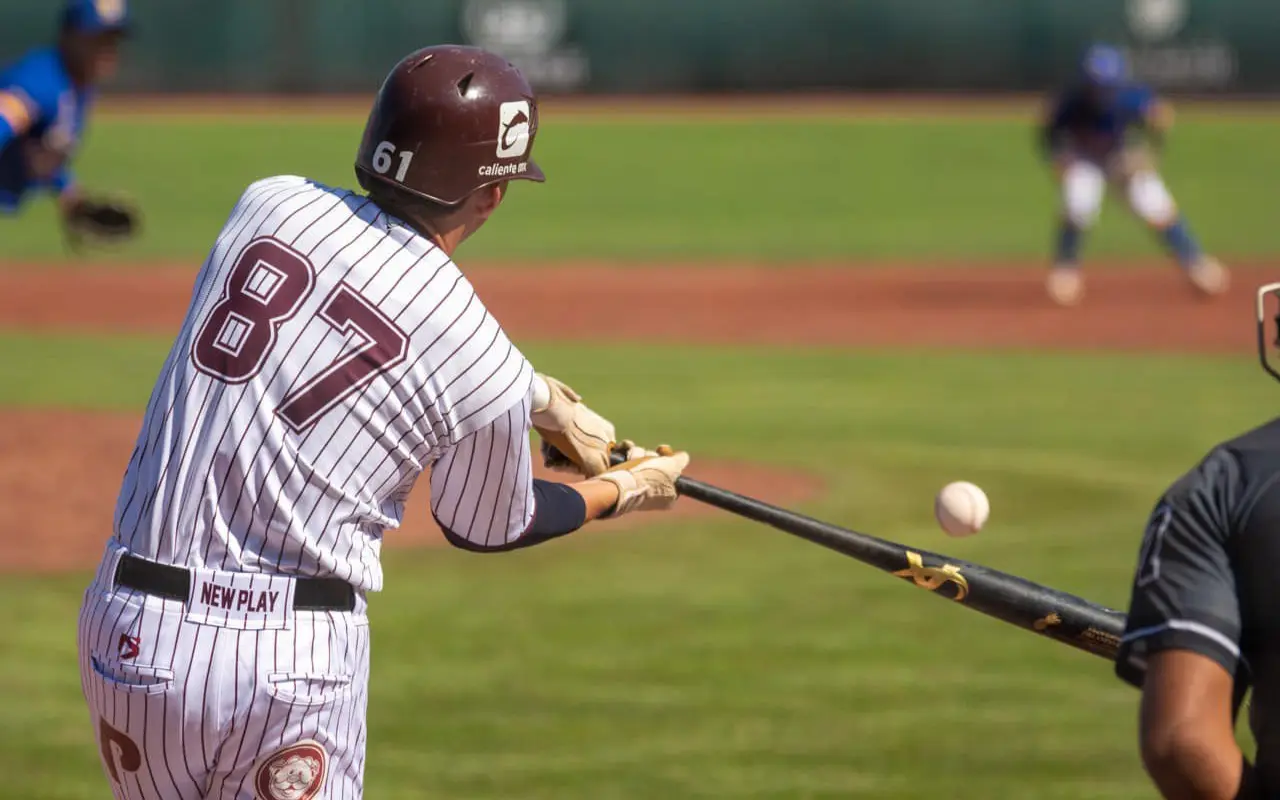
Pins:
<point x="961" y="508"/>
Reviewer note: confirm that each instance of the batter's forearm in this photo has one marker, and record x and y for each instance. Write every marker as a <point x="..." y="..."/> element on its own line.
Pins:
<point x="558" y="510"/>
<point x="600" y="497"/>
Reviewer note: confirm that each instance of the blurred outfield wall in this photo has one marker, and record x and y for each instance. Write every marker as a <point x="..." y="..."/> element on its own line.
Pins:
<point x="622" y="46"/>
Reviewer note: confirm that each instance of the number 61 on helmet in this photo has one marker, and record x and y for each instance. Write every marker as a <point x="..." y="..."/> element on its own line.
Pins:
<point x="447" y="121"/>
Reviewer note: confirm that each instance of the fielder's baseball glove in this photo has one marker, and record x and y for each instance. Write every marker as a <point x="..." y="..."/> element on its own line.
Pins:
<point x="100" y="221"/>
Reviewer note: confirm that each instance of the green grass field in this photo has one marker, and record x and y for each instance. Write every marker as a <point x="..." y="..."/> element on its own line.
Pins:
<point x="779" y="190"/>
<point x="713" y="658"/>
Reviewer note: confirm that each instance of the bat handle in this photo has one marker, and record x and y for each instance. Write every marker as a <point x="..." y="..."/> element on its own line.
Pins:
<point x="694" y="489"/>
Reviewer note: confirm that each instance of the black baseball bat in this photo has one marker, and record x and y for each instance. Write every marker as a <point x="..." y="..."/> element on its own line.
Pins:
<point x="1057" y="615"/>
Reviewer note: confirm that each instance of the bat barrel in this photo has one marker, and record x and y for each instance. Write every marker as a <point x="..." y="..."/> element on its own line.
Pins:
<point x="1048" y="612"/>
<point x="1057" y="615"/>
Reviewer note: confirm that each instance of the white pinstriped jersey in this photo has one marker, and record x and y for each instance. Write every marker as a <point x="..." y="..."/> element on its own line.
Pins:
<point x="328" y="356"/>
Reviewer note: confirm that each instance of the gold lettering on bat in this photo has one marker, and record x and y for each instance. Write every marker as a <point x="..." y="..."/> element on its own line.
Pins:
<point x="934" y="578"/>
<point x="1047" y="621"/>
<point x="1101" y="637"/>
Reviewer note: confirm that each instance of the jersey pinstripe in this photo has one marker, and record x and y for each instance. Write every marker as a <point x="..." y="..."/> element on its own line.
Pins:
<point x="328" y="356"/>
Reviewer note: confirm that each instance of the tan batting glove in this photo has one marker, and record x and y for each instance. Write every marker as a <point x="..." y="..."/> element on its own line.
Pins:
<point x="646" y="481"/>
<point x="582" y="435"/>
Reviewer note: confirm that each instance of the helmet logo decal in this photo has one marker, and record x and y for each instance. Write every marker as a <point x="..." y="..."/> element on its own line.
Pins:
<point x="513" y="129"/>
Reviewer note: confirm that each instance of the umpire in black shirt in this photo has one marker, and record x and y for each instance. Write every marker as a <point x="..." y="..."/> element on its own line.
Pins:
<point x="1204" y="619"/>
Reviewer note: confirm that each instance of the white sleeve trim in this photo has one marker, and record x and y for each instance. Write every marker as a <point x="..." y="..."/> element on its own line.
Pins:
<point x="1185" y="625"/>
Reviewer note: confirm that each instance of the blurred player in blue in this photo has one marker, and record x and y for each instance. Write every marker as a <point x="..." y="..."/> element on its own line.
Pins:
<point x="1103" y="130"/>
<point x="45" y="99"/>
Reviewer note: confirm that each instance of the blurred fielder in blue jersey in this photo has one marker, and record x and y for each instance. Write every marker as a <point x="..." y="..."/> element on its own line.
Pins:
<point x="1103" y="130"/>
<point x="45" y="99"/>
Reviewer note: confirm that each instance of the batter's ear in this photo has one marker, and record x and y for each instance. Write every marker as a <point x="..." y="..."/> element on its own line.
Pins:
<point x="488" y="198"/>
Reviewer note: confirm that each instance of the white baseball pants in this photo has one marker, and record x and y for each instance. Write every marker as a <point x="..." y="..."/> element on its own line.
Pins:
<point x="1084" y="183"/>
<point x="232" y="695"/>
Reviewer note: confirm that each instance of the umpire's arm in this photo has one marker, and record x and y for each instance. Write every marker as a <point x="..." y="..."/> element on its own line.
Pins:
<point x="1181" y="644"/>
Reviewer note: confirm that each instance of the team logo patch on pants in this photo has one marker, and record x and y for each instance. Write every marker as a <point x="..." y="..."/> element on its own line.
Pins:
<point x="295" y="772"/>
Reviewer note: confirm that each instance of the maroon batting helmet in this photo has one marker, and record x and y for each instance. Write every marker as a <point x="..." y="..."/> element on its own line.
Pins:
<point x="449" y="120"/>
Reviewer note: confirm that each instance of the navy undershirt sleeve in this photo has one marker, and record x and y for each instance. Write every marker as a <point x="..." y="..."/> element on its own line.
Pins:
<point x="557" y="510"/>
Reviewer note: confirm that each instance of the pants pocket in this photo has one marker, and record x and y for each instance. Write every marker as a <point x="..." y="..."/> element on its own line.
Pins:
<point x="133" y="678"/>
<point x="307" y="688"/>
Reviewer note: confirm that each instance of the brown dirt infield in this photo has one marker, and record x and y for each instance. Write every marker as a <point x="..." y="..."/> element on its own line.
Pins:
<point x="59" y="474"/>
<point x="59" y="471"/>
<point x="1128" y="307"/>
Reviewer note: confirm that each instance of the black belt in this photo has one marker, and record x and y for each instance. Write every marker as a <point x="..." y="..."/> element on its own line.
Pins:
<point x="164" y="580"/>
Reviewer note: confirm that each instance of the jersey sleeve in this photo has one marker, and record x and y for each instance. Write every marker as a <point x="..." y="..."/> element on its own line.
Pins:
<point x="1184" y="589"/>
<point x="29" y="93"/>
<point x="482" y="487"/>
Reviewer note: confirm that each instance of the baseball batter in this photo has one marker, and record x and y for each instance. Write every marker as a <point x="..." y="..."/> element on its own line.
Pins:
<point x="1089" y="137"/>
<point x="331" y="352"/>
<point x="45" y="98"/>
